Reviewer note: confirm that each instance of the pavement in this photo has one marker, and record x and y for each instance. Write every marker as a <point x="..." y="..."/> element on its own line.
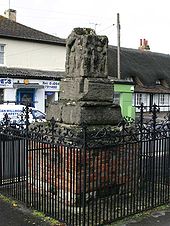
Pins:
<point x="157" y="218"/>
<point x="16" y="214"/>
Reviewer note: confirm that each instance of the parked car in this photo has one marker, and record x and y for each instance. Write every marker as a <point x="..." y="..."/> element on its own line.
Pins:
<point x="15" y="114"/>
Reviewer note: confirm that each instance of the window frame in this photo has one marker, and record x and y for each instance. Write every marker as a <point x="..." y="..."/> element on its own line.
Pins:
<point x="161" y="99"/>
<point x="140" y="98"/>
<point x="2" y="54"/>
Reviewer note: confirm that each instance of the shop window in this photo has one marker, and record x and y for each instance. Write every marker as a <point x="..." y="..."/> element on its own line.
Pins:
<point x="2" y="47"/>
<point x="49" y="98"/>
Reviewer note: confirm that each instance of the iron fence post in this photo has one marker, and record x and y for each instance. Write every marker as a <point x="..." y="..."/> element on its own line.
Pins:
<point x="140" y="140"/>
<point x="52" y="122"/>
<point x="84" y="164"/>
<point x="0" y="161"/>
<point x="154" y="111"/>
<point x="154" y="117"/>
<point x="167" y="174"/>
<point x="168" y="161"/>
<point x="141" y="116"/>
<point x="26" y="148"/>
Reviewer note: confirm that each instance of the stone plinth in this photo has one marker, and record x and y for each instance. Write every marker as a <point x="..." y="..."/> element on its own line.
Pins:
<point x="98" y="113"/>
<point x="86" y="89"/>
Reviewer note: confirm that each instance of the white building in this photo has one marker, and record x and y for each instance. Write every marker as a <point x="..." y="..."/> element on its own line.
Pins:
<point x="150" y="74"/>
<point x="31" y="63"/>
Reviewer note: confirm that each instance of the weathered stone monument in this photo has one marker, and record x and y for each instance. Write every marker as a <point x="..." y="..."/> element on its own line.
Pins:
<point x="85" y="162"/>
<point x="86" y="93"/>
<point x="86" y="97"/>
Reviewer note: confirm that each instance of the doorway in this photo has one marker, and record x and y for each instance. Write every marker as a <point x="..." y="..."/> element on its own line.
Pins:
<point x="26" y="95"/>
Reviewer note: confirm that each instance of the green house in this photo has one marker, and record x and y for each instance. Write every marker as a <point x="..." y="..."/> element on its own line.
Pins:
<point x="123" y="95"/>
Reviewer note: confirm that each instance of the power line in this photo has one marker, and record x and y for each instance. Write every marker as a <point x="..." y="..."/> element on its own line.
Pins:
<point x="105" y="28"/>
<point x="95" y="25"/>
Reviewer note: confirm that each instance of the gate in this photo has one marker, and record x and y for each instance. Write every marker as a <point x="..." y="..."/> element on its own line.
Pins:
<point x="87" y="176"/>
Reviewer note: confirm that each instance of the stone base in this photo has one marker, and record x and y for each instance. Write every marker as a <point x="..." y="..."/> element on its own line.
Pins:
<point x="87" y="113"/>
<point x="86" y="89"/>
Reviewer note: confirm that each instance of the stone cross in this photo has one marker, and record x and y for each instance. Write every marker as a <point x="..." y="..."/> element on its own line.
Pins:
<point x="86" y="94"/>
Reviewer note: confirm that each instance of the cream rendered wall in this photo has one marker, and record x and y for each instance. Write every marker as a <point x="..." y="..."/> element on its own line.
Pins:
<point x="34" y="55"/>
<point x="9" y="94"/>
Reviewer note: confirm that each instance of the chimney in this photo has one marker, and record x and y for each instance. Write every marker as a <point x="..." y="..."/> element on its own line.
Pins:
<point x="10" y="14"/>
<point x="140" y="43"/>
<point x="144" y="44"/>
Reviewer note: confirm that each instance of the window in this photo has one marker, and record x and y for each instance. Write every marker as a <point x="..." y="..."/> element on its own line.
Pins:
<point x="162" y="99"/>
<point x="2" y="54"/>
<point x="140" y="98"/>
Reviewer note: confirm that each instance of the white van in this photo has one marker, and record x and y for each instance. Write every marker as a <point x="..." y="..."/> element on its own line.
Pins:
<point x="15" y="113"/>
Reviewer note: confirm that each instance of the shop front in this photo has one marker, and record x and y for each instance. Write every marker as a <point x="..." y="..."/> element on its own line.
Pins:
<point x="38" y="93"/>
<point x="51" y="92"/>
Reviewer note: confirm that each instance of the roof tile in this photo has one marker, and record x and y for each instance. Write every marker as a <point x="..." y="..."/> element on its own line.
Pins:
<point x="12" y="29"/>
<point x="29" y="73"/>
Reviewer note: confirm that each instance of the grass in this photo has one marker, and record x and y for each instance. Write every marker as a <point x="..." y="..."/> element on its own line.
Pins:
<point x="6" y="199"/>
<point x="52" y="221"/>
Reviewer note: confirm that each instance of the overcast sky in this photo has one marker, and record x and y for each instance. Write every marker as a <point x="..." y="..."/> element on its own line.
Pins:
<point x="147" y="19"/>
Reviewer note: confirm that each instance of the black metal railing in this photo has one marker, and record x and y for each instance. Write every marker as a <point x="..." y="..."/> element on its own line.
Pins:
<point x="85" y="176"/>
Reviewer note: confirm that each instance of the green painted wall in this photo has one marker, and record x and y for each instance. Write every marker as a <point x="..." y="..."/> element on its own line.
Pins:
<point x="126" y="99"/>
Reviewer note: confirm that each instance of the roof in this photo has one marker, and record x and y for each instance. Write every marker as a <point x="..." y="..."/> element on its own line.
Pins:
<point x="152" y="89"/>
<point x="30" y="73"/>
<point x="14" y="30"/>
<point x="146" y="66"/>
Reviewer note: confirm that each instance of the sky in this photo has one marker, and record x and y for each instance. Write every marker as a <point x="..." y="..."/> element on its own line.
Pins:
<point x="144" y="19"/>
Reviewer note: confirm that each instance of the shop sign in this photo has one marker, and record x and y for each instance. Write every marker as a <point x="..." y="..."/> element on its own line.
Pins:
<point x="51" y="85"/>
<point x="6" y="83"/>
